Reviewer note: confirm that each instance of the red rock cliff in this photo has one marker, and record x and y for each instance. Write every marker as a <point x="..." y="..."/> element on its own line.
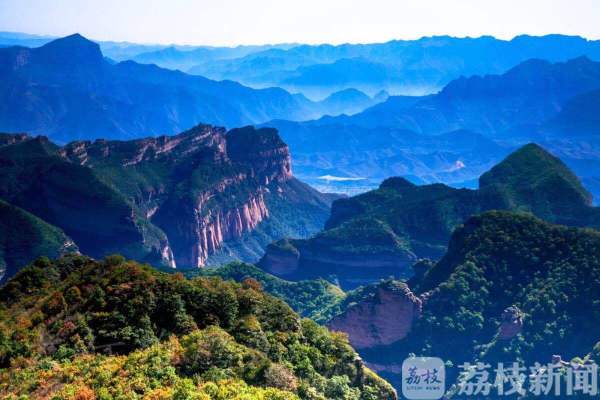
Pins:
<point x="382" y="319"/>
<point x="202" y="187"/>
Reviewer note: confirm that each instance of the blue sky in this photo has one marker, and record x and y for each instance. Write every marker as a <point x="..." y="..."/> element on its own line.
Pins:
<point x="231" y="22"/>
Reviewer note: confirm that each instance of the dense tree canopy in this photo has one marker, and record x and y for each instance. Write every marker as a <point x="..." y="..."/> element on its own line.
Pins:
<point x="116" y="329"/>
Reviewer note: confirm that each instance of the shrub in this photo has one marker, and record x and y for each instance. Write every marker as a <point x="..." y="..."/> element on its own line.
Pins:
<point x="280" y="377"/>
<point x="211" y="347"/>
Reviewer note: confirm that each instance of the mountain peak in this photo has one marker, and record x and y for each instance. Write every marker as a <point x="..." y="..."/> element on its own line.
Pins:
<point x="396" y="183"/>
<point x="74" y="40"/>
<point x="521" y="162"/>
<point x="532" y="171"/>
<point x="73" y="48"/>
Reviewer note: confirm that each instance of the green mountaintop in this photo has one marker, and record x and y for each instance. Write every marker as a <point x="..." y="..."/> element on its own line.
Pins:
<point x="417" y="221"/>
<point x="511" y="287"/>
<point x="533" y="180"/>
<point x="314" y="299"/>
<point x="78" y="328"/>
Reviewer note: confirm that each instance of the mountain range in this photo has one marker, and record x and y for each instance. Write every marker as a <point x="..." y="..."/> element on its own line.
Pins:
<point x="407" y="67"/>
<point x="204" y="196"/>
<point x="418" y="66"/>
<point x="553" y="104"/>
<point x="383" y="232"/>
<point x="67" y="91"/>
<point x="451" y="137"/>
<point x="167" y="56"/>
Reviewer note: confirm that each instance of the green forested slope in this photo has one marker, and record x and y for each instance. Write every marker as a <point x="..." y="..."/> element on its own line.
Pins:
<point x="170" y="337"/>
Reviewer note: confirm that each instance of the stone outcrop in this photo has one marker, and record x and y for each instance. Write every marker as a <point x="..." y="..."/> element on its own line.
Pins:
<point x="215" y="227"/>
<point x="383" y="318"/>
<point x="232" y="204"/>
<point x="217" y="193"/>
<point x="511" y="323"/>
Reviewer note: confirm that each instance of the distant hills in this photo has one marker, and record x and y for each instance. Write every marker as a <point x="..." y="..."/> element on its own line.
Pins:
<point x="167" y="56"/>
<point x="383" y="232"/>
<point x="413" y="67"/>
<point x="67" y="90"/>
<point x="204" y="196"/>
<point x="184" y="58"/>
<point x="579" y="117"/>
<point x="549" y="103"/>
<point x="494" y="105"/>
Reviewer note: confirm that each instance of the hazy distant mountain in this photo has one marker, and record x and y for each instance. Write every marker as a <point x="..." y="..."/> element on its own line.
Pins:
<point x="184" y="58"/>
<point x="118" y="51"/>
<point x="22" y="39"/>
<point x="552" y="103"/>
<point x="350" y="101"/>
<point x="67" y="90"/>
<point x="412" y="67"/>
<point x="495" y="105"/>
<point x="366" y="156"/>
<point x="580" y="116"/>
<point x="400" y="66"/>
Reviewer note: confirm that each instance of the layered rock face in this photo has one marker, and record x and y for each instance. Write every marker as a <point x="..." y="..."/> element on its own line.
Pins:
<point x="231" y="204"/>
<point x="263" y="151"/>
<point x="384" y="318"/>
<point x="186" y="195"/>
<point x="214" y="191"/>
<point x="197" y="230"/>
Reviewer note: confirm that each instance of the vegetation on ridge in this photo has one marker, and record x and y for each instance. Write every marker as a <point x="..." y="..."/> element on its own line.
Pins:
<point x="170" y="337"/>
<point x="418" y="220"/>
<point x="24" y="237"/>
<point x="499" y="259"/>
<point x="310" y="298"/>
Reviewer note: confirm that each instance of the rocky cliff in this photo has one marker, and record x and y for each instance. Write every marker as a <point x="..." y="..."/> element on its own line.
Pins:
<point x="509" y="287"/>
<point x="213" y="189"/>
<point x="185" y="196"/>
<point x="381" y="318"/>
